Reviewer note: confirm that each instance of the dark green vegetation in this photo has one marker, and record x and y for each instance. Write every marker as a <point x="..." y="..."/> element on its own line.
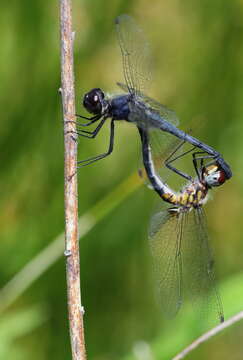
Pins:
<point x="198" y="48"/>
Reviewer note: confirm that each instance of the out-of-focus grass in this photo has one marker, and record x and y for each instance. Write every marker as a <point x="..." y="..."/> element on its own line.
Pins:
<point x="48" y="256"/>
<point x="198" y="66"/>
<point x="180" y="332"/>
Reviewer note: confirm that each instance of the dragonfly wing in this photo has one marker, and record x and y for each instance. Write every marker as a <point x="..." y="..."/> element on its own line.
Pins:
<point x="135" y="52"/>
<point x="164" y="147"/>
<point x="166" y="113"/>
<point x="198" y="271"/>
<point x="165" y="242"/>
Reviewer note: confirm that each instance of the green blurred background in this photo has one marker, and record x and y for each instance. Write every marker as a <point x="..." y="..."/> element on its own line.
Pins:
<point x="198" y="52"/>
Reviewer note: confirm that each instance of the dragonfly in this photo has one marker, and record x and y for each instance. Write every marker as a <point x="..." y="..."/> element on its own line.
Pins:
<point x="133" y="105"/>
<point x="178" y="237"/>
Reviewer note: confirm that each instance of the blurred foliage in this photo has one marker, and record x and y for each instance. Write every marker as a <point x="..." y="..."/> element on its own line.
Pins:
<point x="198" y="51"/>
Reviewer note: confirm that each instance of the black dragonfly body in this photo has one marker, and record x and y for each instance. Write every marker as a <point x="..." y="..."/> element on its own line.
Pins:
<point x="134" y="106"/>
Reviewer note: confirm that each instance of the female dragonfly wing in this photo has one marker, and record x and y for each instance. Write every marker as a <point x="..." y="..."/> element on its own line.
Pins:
<point x="165" y="242"/>
<point x="183" y="263"/>
<point x="199" y="268"/>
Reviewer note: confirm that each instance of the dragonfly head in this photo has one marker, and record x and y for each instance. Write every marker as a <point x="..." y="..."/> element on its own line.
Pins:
<point x="213" y="175"/>
<point x="94" y="101"/>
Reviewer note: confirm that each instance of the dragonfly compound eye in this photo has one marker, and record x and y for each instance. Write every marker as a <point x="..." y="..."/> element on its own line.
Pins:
<point x="93" y="101"/>
<point x="214" y="175"/>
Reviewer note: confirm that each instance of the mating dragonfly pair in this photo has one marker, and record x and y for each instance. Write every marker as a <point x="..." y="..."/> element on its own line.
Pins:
<point x="178" y="235"/>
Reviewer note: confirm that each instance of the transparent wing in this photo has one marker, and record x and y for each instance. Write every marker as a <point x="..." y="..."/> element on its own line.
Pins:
<point x="161" y="145"/>
<point x="198" y="269"/>
<point x="135" y="52"/>
<point x="164" y="147"/>
<point x="166" y="113"/>
<point x="183" y="263"/>
<point x="165" y="242"/>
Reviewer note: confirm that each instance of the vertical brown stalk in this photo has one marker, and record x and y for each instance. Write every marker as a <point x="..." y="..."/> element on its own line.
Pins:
<point x="75" y="311"/>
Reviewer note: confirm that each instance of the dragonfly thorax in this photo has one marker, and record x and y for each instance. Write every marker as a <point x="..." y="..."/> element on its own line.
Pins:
<point x="192" y="196"/>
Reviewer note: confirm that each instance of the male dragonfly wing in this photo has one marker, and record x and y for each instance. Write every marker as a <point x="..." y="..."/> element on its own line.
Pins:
<point x="137" y="67"/>
<point x="183" y="263"/>
<point x="135" y="51"/>
<point x="166" y="113"/>
<point x="162" y="146"/>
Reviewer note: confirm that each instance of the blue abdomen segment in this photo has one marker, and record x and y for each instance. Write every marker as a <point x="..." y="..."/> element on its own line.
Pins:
<point x="119" y="107"/>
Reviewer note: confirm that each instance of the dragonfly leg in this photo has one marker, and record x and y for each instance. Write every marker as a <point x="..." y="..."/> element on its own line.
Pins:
<point x="171" y="159"/>
<point x="88" y="118"/>
<point x="101" y="156"/>
<point x="91" y="134"/>
<point x="92" y="120"/>
<point x="200" y="156"/>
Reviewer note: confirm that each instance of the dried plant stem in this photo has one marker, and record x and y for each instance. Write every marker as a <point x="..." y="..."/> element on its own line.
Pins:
<point x="208" y="335"/>
<point x="75" y="311"/>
